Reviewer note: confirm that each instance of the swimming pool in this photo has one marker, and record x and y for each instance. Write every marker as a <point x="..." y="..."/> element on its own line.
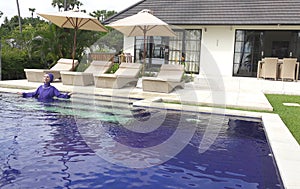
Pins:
<point x="46" y="145"/>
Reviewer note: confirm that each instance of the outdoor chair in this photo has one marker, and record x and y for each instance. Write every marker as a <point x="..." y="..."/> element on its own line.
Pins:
<point x="288" y="69"/>
<point x="126" y="74"/>
<point x="259" y="68"/>
<point x="126" y="57"/>
<point x="63" y="64"/>
<point x="269" y="69"/>
<point x="169" y="77"/>
<point x="87" y="77"/>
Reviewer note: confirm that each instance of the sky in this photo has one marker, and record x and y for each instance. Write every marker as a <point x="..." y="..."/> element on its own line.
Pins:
<point x="9" y="7"/>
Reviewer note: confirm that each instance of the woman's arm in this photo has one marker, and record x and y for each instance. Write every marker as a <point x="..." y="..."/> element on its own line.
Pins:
<point x="30" y="94"/>
<point x="58" y="94"/>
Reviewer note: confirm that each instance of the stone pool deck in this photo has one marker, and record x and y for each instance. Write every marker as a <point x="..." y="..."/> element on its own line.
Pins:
<point x="244" y="93"/>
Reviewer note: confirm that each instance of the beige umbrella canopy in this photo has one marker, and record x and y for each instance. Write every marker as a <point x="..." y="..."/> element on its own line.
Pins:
<point x="75" y="20"/>
<point x="144" y="23"/>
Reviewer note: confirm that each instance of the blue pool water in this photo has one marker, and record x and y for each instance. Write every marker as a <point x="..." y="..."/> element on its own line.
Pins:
<point x="43" y="145"/>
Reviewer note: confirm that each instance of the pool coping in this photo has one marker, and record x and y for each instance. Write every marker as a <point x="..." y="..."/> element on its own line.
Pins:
<point x="284" y="146"/>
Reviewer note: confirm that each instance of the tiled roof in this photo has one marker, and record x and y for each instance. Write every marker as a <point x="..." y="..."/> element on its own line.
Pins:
<point x="219" y="12"/>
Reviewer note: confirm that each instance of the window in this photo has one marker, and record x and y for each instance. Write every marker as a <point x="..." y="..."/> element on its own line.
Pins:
<point x="247" y="52"/>
<point x="155" y="50"/>
<point x="185" y="49"/>
<point x="182" y="49"/>
<point x="251" y="46"/>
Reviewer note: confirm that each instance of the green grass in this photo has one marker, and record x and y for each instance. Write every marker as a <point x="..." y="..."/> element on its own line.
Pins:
<point x="290" y="115"/>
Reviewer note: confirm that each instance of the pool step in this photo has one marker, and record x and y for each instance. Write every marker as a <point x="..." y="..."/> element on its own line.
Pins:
<point x="104" y="98"/>
<point x="97" y="107"/>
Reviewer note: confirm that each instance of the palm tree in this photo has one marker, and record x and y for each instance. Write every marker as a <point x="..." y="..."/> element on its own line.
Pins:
<point x="97" y="14"/>
<point x="75" y="3"/>
<point x="19" y="15"/>
<point x="110" y="13"/>
<point x="102" y="14"/>
<point x="66" y="4"/>
<point x="57" y="3"/>
<point x="32" y="10"/>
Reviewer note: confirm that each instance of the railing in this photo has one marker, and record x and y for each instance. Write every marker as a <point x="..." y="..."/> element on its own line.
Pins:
<point x="102" y="56"/>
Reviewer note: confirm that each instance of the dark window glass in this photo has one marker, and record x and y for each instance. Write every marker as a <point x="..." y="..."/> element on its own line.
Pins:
<point x="251" y="46"/>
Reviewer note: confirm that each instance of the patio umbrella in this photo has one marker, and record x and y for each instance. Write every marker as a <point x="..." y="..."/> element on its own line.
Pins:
<point x="144" y="23"/>
<point x="76" y="20"/>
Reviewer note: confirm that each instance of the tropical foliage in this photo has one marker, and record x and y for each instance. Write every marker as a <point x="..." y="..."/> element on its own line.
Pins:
<point x="40" y="43"/>
<point x="70" y="4"/>
<point x="102" y="14"/>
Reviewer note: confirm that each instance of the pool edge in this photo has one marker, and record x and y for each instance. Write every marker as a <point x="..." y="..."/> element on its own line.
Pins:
<point x="284" y="146"/>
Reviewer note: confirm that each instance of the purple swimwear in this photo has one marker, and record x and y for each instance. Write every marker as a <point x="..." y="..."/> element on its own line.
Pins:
<point x="45" y="92"/>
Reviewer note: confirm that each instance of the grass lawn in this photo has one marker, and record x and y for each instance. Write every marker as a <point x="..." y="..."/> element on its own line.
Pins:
<point x="290" y="115"/>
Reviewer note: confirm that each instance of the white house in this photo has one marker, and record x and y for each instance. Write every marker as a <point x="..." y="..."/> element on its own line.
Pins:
<point x="224" y="37"/>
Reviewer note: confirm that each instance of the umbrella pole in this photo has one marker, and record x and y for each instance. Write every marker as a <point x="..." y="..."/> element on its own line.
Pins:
<point x="144" y="53"/>
<point x="74" y="49"/>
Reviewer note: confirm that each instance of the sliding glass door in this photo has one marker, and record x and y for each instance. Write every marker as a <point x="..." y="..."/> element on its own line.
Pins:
<point x="251" y="46"/>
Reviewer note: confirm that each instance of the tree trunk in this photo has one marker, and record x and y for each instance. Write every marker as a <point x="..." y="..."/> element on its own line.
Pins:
<point x="65" y="5"/>
<point x="19" y="15"/>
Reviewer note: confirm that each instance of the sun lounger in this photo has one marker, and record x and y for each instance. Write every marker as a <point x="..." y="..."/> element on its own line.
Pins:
<point x="87" y="77"/>
<point x="127" y="73"/>
<point x="169" y="77"/>
<point x="63" y="64"/>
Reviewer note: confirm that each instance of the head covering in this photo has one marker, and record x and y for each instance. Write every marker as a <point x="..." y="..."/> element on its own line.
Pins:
<point x="51" y="76"/>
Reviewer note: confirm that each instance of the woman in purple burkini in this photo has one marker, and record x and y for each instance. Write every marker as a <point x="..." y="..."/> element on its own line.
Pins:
<point x="46" y="91"/>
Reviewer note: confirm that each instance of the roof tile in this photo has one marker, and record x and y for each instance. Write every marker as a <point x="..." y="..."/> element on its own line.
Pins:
<point x="216" y="12"/>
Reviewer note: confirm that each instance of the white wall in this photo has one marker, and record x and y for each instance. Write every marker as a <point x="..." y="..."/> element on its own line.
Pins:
<point x="217" y="47"/>
<point x="216" y="50"/>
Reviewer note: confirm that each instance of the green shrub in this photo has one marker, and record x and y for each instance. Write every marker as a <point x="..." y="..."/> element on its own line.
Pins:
<point x="81" y="67"/>
<point x="114" y="68"/>
<point x="13" y="62"/>
<point x="187" y="78"/>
